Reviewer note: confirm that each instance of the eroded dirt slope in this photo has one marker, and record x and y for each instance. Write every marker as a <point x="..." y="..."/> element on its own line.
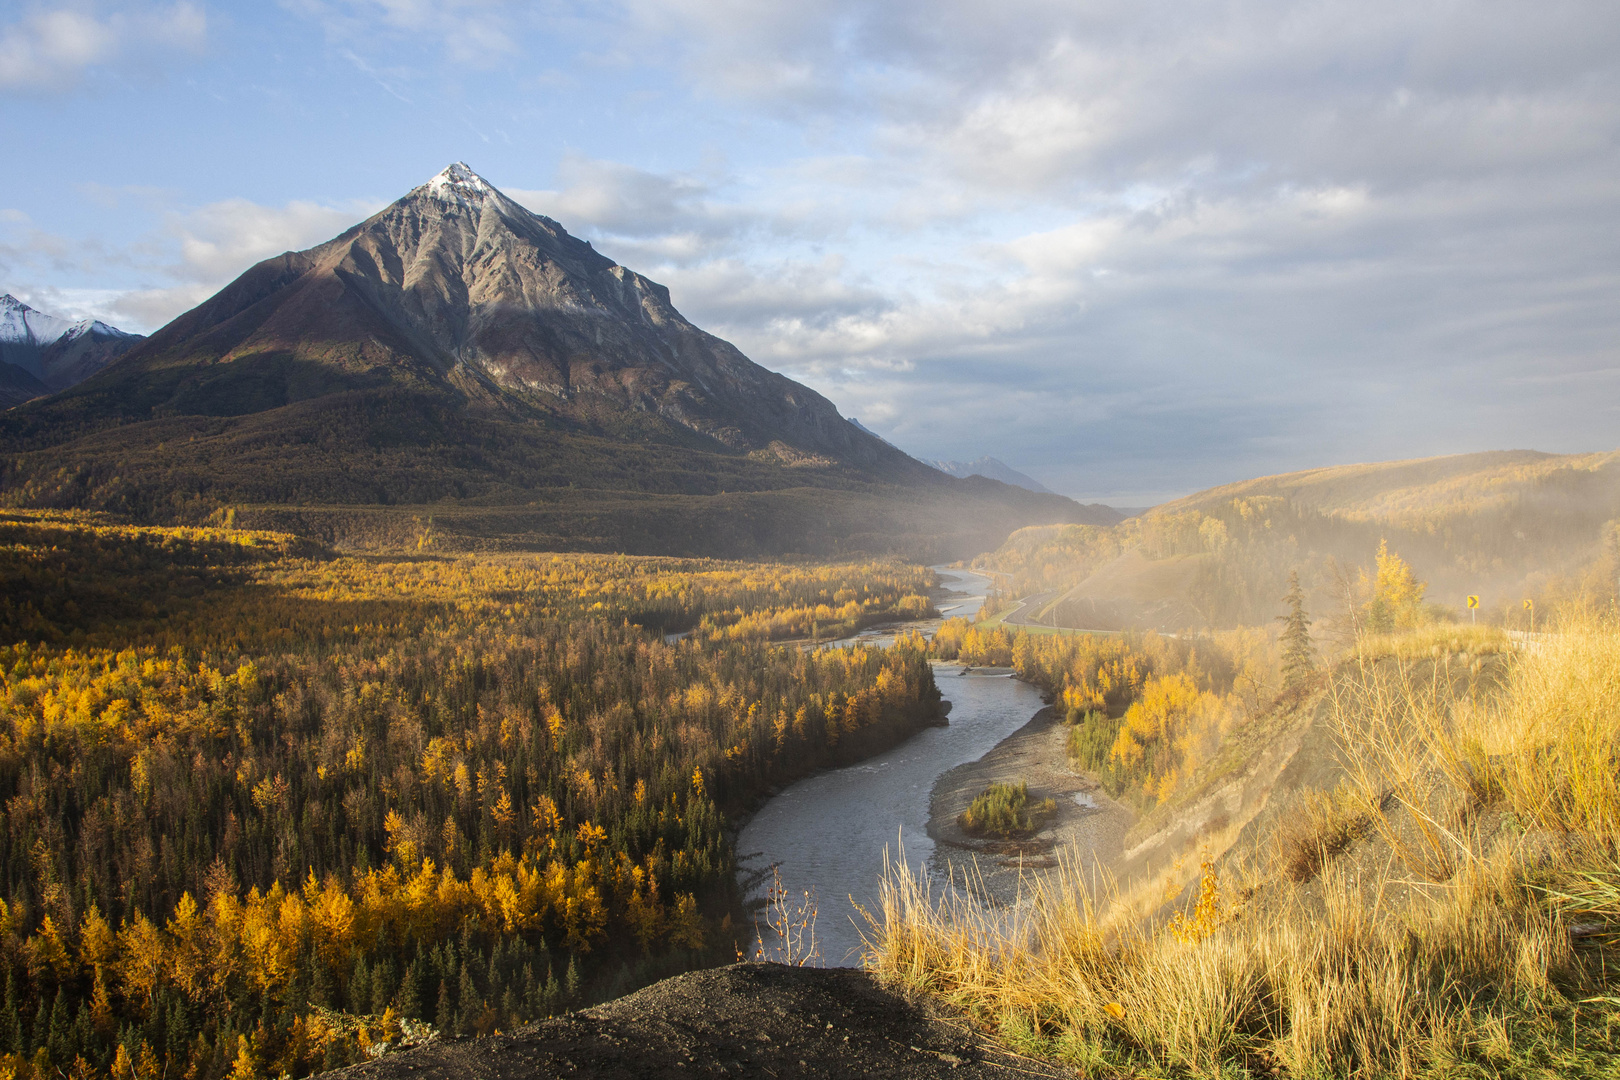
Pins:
<point x="756" y="1020"/>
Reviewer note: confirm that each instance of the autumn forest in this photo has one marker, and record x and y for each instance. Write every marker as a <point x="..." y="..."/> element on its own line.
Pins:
<point x="266" y="806"/>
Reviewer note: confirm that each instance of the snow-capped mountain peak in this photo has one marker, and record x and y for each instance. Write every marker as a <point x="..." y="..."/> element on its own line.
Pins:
<point x="96" y="328"/>
<point x="12" y="324"/>
<point x="458" y="183"/>
<point x="989" y="467"/>
<point x="21" y="324"/>
<point x="57" y="352"/>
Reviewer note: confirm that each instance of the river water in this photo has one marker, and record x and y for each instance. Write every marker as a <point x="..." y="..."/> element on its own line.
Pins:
<point x="829" y="833"/>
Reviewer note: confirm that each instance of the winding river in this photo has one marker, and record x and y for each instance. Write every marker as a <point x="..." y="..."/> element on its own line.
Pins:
<point x="829" y="833"/>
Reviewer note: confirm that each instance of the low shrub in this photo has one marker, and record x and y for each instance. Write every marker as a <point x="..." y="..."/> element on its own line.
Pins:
<point x="1004" y="811"/>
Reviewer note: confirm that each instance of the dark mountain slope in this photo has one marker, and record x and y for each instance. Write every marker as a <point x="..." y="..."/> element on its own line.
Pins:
<point x="457" y="350"/>
<point x="18" y="384"/>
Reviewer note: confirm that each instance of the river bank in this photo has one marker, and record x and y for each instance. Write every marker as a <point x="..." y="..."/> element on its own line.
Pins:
<point x="834" y="834"/>
<point x="1087" y="829"/>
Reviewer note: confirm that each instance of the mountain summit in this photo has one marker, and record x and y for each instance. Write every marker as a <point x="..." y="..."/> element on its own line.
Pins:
<point x="459" y="288"/>
<point x="458" y="347"/>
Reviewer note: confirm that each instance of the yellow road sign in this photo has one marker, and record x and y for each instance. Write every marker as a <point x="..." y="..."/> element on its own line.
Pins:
<point x="1529" y="605"/>
<point x="1473" y="601"/>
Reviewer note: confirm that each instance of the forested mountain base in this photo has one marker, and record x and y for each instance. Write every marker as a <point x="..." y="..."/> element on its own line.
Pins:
<point x="263" y="807"/>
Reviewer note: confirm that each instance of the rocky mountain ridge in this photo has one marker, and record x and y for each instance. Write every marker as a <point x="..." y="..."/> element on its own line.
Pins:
<point x="456" y="287"/>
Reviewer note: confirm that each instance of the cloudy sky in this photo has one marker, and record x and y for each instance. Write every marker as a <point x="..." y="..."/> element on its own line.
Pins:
<point x="1131" y="247"/>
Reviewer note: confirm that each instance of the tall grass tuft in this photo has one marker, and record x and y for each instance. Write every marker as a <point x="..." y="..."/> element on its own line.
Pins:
<point x="1328" y="976"/>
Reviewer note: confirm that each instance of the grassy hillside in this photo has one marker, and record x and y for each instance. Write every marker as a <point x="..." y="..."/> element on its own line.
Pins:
<point x="1432" y="889"/>
<point x="1429" y="487"/>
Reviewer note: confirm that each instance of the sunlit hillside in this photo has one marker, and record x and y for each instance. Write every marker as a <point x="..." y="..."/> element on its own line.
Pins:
<point x="1508" y="527"/>
<point x="1456" y="484"/>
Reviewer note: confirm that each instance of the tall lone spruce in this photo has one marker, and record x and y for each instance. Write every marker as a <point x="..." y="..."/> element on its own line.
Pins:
<point x="1298" y="657"/>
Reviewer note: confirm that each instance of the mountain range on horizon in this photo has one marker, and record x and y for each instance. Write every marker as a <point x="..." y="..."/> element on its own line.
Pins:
<point x="992" y="468"/>
<point x="983" y="466"/>
<point x="41" y="354"/>
<point x="461" y="357"/>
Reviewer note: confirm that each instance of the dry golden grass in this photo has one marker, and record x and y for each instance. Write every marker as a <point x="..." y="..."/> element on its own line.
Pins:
<point x="1349" y="990"/>
<point x="1435" y="640"/>
<point x="1474" y="975"/>
<point x="1539" y="738"/>
<point x="1327" y="823"/>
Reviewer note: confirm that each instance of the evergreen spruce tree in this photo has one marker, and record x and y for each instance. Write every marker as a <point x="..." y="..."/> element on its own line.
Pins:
<point x="11" y="1029"/>
<point x="495" y="977"/>
<point x="467" y="995"/>
<point x="42" y="1026"/>
<point x="571" y="982"/>
<point x="445" y="1017"/>
<point x="360" y="987"/>
<point x="320" y="982"/>
<point x="1298" y="661"/>
<point x="553" y="998"/>
<point x="410" y="995"/>
<point x="177" y="1032"/>
<point x="85" y="1042"/>
<point x="382" y="987"/>
<point x="61" y="1031"/>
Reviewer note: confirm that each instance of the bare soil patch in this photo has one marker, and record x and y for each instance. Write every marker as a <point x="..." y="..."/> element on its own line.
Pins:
<point x="755" y="1020"/>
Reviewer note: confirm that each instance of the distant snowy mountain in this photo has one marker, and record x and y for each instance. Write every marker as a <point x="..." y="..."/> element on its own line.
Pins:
<point x="985" y="466"/>
<point x="872" y="433"/>
<point x="995" y="470"/>
<point x="42" y="354"/>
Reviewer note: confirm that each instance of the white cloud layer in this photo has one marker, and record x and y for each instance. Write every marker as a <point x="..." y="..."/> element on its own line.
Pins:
<point x="1134" y="238"/>
<point x="53" y="48"/>
<point x="189" y="257"/>
<point x="479" y="33"/>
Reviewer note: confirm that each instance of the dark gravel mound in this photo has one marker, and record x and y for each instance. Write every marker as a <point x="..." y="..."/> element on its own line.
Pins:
<point x="755" y="1020"/>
